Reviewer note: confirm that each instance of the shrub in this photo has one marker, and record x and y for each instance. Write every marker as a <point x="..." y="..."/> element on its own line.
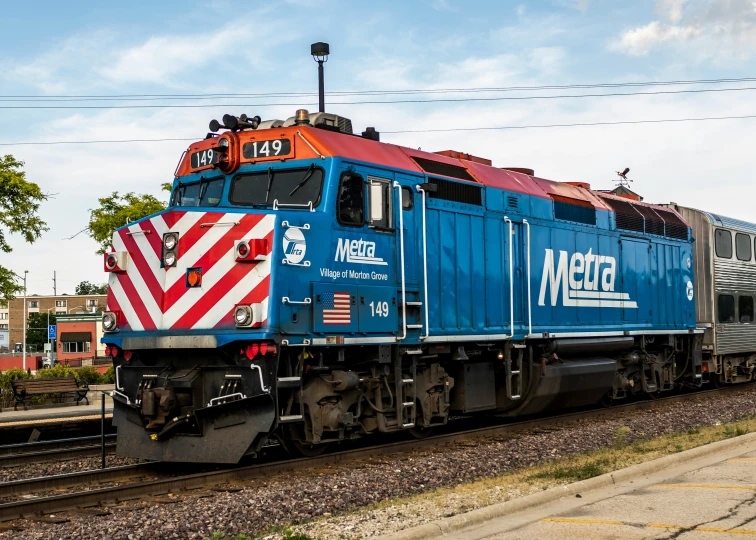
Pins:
<point x="88" y="375"/>
<point x="108" y="377"/>
<point x="59" y="370"/>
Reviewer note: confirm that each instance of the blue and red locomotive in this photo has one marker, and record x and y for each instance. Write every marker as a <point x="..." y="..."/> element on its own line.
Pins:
<point x="315" y="286"/>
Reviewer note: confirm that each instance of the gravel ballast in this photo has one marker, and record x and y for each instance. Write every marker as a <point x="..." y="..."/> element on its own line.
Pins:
<point x="298" y="497"/>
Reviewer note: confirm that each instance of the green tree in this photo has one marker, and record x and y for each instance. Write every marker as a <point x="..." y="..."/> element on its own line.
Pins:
<point x="19" y="203"/>
<point x="37" y="330"/>
<point x="116" y="211"/>
<point x="86" y="287"/>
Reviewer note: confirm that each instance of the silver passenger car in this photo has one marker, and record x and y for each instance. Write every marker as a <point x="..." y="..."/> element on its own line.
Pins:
<point x="725" y="287"/>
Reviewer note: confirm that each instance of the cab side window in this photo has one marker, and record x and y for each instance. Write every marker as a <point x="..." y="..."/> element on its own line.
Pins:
<point x="723" y="243"/>
<point x="380" y="203"/>
<point x="350" y="206"/>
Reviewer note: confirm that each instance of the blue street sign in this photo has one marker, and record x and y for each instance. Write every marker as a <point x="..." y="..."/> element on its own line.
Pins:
<point x="52" y="331"/>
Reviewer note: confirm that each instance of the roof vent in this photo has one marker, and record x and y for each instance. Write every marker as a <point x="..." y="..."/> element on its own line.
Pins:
<point x="328" y="121"/>
<point x="521" y="170"/>
<point x="466" y="157"/>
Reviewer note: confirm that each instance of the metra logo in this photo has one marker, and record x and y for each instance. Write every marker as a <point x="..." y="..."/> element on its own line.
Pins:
<point x="358" y="252"/>
<point x="588" y="281"/>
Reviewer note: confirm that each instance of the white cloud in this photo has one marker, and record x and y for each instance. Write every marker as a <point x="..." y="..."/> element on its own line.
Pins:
<point x="705" y="28"/>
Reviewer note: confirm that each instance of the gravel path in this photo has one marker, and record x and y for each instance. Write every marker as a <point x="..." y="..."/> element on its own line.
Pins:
<point x="286" y="498"/>
<point x="49" y="468"/>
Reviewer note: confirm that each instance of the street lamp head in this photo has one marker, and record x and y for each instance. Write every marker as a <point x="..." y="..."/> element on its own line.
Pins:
<point x="320" y="51"/>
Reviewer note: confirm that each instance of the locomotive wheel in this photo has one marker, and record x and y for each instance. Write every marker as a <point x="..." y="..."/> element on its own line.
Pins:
<point x="420" y="432"/>
<point x="308" y="450"/>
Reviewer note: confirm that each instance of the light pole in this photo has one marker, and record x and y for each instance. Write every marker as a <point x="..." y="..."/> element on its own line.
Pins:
<point x="49" y="341"/>
<point x="25" y="322"/>
<point x="320" y="52"/>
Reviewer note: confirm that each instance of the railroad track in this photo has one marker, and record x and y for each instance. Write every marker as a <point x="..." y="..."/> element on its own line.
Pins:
<point x="62" y="449"/>
<point x="149" y="485"/>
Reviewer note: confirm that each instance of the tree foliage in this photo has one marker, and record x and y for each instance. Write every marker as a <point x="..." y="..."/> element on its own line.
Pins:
<point x="37" y="329"/>
<point x="116" y="211"/>
<point x="86" y="287"/>
<point x="19" y="204"/>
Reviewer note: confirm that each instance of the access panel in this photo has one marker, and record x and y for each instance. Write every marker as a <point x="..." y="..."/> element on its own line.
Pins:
<point x="378" y="309"/>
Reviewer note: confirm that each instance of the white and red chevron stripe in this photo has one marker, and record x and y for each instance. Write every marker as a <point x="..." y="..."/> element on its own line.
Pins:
<point x="153" y="298"/>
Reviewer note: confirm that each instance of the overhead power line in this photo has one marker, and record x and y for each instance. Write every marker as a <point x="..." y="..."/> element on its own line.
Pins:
<point x="382" y="102"/>
<point x="148" y="97"/>
<point x="439" y="130"/>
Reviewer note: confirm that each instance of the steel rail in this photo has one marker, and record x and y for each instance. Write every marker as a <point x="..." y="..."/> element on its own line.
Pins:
<point x="49" y="445"/>
<point x="62" y="454"/>
<point x="98" y="496"/>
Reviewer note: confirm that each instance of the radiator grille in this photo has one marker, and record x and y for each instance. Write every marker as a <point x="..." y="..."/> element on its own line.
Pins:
<point x="456" y="191"/>
<point x="645" y="219"/>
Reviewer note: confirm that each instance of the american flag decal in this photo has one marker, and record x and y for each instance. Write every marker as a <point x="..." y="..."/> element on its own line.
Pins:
<point x="337" y="308"/>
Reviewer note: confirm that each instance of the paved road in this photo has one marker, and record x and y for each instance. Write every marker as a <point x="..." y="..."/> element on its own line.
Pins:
<point x="712" y="498"/>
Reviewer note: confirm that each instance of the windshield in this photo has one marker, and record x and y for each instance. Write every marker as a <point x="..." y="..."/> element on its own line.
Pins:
<point x="202" y="193"/>
<point x="287" y="186"/>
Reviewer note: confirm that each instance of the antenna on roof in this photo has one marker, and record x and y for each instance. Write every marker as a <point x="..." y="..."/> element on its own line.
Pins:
<point x="623" y="181"/>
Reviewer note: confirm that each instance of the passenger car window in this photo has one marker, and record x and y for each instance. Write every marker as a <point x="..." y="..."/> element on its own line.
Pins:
<point x="723" y="243"/>
<point x="743" y="247"/>
<point x="745" y="308"/>
<point x="726" y="308"/>
<point x="350" y="206"/>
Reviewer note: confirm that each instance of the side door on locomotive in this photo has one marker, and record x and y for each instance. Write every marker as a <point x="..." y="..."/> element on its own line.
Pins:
<point x="360" y="296"/>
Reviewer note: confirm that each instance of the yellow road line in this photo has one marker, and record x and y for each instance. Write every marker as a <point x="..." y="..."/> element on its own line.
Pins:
<point x="708" y="486"/>
<point x="584" y="521"/>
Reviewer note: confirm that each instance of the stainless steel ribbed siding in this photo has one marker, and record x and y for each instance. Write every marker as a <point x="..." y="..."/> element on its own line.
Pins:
<point x="736" y="278"/>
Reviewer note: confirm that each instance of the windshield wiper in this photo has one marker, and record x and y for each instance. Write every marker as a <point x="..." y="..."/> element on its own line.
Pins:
<point x="305" y="179"/>
<point x="203" y="189"/>
<point x="270" y="182"/>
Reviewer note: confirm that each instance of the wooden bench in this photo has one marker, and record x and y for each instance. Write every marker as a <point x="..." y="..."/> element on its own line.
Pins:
<point x="23" y="388"/>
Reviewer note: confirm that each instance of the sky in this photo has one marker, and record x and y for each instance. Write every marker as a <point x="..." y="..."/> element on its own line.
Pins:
<point x="56" y="50"/>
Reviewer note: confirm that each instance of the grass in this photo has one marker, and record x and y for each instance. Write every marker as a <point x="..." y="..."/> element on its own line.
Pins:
<point x="450" y="501"/>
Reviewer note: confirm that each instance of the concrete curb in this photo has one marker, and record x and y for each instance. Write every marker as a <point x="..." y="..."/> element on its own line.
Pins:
<point x="482" y="515"/>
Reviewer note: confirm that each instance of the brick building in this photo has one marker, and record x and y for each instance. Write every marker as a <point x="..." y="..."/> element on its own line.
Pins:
<point x="12" y="315"/>
<point x="79" y="337"/>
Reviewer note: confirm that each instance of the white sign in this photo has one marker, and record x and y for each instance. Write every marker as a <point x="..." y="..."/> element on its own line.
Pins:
<point x="357" y="252"/>
<point x="584" y="280"/>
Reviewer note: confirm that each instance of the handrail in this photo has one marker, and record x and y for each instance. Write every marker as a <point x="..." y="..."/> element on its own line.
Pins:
<point x="511" y="279"/>
<point x="425" y="267"/>
<point x="401" y="255"/>
<point x="285" y="224"/>
<point x="530" y="318"/>
<point x="277" y="205"/>
<point x="117" y="383"/>
<point x="215" y="224"/>
<point x="310" y="144"/>
<point x="219" y="398"/>
<point x="287" y="300"/>
<point x="259" y="372"/>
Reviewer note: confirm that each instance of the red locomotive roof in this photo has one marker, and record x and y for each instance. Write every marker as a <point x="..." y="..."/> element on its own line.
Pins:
<point x="313" y="142"/>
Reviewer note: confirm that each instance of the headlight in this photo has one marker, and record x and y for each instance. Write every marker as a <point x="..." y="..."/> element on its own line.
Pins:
<point x="170" y="241"/>
<point x="109" y="321"/>
<point x="242" y="315"/>
<point x="110" y="261"/>
<point x="169" y="259"/>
